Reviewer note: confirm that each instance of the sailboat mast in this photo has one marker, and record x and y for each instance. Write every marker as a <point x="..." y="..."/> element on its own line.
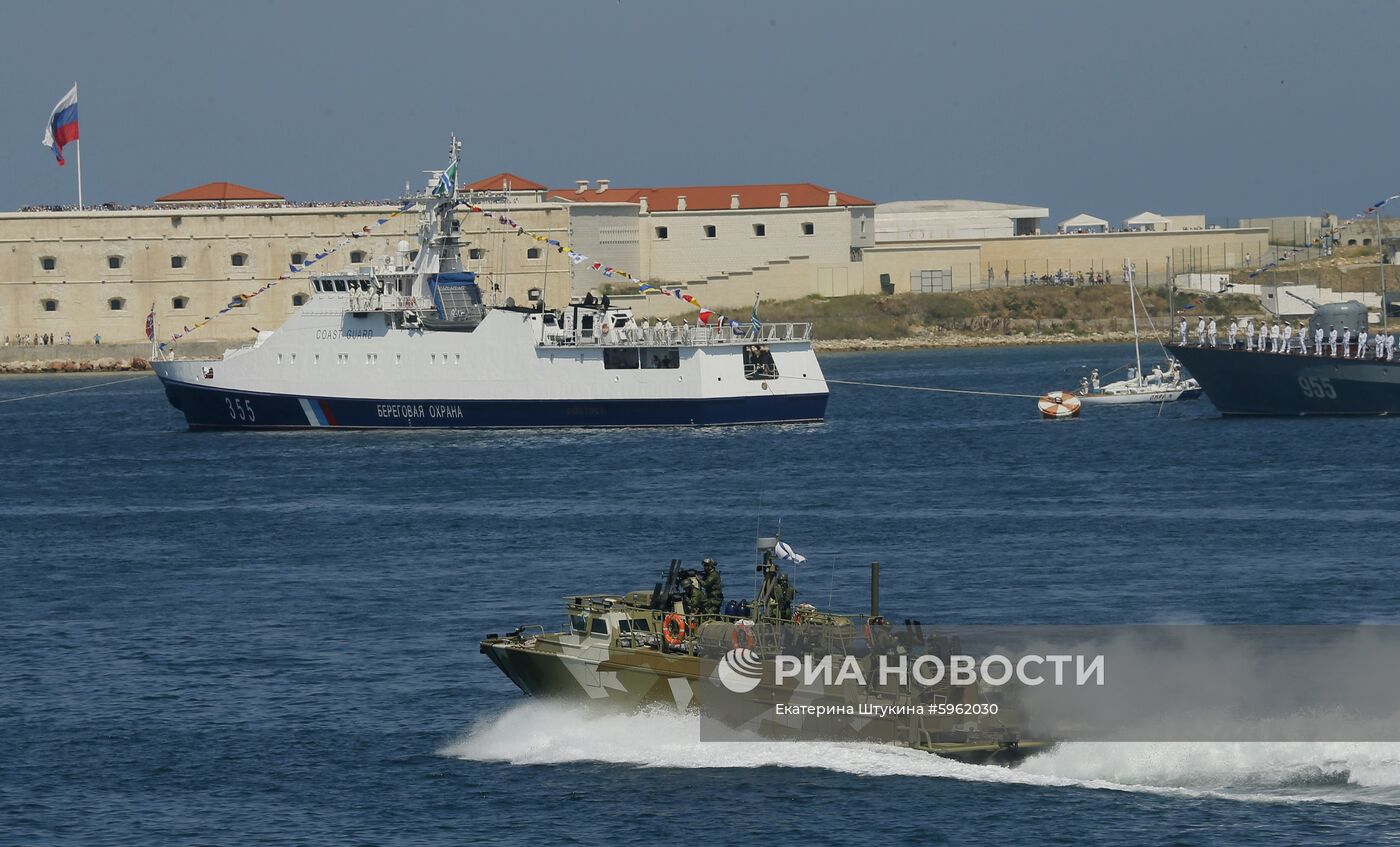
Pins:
<point x="1137" y="348"/>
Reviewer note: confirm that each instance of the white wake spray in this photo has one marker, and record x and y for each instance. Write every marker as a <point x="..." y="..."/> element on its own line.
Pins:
<point x="546" y="733"/>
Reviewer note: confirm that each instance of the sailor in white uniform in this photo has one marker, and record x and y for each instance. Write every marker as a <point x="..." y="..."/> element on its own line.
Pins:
<point x="1332" y="340"/>
<point x="1361" y="344"/>
<point x="1302" y="338"/>
<point x="1249" y="334"/>
<point x="1317" y="341"/>
<point x="1286" y="337"/>
<point x="1263" y="336"/>
<point x="1183" y="330"/>
<point x="1346" y="341"/>
<point x="1213" y="331"/>
<point x="1233" y="332"/>
<point x="1273" y="338"/>
<point x="1201" y="331"/>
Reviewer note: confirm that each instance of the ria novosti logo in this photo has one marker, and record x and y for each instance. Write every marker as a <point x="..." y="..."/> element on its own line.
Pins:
<point x="741" y="670"/>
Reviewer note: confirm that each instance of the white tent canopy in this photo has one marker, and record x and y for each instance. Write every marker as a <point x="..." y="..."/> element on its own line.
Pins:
<point x="1147" y="220"/>
<point x="1082" y="221"/>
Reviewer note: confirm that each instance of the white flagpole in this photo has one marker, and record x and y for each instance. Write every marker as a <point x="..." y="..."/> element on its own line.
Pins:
<point x="78" y="148"/>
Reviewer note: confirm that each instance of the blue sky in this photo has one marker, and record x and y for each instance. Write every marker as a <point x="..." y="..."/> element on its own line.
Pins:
<point x="1232" y="109"/>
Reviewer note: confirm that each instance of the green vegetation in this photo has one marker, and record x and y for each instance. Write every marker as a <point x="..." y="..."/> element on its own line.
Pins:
<point x="1076" y="309"/>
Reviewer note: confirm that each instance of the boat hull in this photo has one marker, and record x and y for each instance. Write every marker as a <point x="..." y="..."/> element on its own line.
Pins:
<point x="1242" y="382"/>
<point x="591" y="675"/>
<point x="207" y="407"/>
<point x="1170" y="395"/>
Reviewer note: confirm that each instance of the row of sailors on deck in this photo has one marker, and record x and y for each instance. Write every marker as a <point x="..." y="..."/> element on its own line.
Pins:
<point x="1280" y="337"/>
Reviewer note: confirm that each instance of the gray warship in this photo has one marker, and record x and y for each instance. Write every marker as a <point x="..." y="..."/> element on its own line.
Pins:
<point x="646" y="648"/>
<point x="1241" y="382"/>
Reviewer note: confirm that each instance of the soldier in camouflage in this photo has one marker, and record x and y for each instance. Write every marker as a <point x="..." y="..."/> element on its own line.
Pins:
<point x="714" y="587"/>
<point x="783" y="594"/>
<point x="694" y="595"/>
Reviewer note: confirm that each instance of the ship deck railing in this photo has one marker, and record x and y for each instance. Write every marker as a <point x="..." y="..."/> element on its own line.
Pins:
<point x="684" y="335"/>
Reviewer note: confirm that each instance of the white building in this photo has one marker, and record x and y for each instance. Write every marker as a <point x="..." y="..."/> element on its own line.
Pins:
<point x="942" y="220"/>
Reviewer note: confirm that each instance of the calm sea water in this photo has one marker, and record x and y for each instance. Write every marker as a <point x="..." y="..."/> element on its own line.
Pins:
<point x="248" y="638"/>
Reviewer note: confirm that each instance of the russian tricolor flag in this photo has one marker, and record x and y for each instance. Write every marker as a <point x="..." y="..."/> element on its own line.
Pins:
<point x="63" y="124"/>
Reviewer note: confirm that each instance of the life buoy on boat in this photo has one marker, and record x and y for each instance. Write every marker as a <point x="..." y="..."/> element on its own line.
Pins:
<point x="742" y="632"/>
<point x="1059" y="404"/>
<point x="673" y="629"/>
<point x="606" y="327"/>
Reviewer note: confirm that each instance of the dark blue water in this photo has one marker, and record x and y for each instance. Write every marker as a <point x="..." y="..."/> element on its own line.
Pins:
<point x="271" y="638"/>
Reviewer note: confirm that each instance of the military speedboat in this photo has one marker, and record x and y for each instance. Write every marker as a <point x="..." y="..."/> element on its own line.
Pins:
<point x="677" y="647"/>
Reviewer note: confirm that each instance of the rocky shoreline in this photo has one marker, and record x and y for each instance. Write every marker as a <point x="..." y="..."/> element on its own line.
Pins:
<point x="59" y="366"/>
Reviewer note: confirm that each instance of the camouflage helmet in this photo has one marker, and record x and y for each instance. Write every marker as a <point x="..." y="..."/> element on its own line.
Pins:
<point x="708" y="562"/>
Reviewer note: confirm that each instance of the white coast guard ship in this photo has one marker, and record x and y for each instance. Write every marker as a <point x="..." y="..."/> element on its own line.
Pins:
<point x="410" y="343"/>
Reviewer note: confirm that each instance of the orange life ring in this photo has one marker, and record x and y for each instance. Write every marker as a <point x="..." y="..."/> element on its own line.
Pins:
<point x="673" y="629"/>
<point x="747" y="637"/>
<point x="1059" y="404"/>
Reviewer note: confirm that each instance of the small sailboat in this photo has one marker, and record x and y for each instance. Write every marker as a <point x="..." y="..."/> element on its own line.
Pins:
<point x="1163" y="385"/>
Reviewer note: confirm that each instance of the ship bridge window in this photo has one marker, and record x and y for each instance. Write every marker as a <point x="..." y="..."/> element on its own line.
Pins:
<point x="578" y="623"/>
<point x="340" y="285"/>
<point x="758" y="362"/>
<point x="640" y="625"/>
<point x="625" y="358"/>
<point x="661" y="358"/>
<point x="600" y="626"/>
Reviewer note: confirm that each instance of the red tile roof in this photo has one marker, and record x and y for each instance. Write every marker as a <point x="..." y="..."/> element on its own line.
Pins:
<point x="499" y="183"/>
<point x="712" y="197"/>
<point x="218" y="191"/>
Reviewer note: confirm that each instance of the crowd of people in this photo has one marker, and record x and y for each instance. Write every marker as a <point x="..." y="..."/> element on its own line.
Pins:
<point x="1282" y="337"/>
<point x="43" y="339"/>
<point x="1063" y="277"/>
